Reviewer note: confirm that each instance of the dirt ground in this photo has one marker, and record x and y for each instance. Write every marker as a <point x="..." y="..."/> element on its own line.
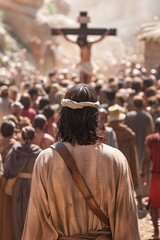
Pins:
<point x="145" y="225"/>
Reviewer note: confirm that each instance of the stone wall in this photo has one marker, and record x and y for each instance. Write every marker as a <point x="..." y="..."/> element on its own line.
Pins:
<point x="31" y="17"/>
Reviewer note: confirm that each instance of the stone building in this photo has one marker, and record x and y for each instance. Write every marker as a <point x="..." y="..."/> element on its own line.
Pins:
<point x="149" y="33"/>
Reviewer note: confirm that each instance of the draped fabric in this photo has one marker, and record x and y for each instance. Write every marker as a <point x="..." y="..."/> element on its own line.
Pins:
<point x="142" y="124"/>
<point x="86" y="67"/>
<point x="20" y="159"/>
<point x="153" y="143"/>
<point x="5" y="201"/>
<point x="126" y="144"/>
<point x="56" y="206"/>
<point x="5" y="146"/>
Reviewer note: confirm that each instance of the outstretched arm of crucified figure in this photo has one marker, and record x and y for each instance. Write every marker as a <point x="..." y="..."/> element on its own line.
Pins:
<point x="68" y="39"/>
<point x="101" y="38"/>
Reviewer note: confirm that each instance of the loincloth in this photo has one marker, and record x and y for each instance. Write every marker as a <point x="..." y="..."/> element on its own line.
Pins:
<point x="86" y="67"/>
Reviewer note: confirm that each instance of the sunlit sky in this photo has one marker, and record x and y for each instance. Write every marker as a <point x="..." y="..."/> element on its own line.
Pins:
<point x="124" y="14"/>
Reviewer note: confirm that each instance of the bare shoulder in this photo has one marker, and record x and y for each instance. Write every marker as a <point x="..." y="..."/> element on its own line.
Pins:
<point x="48" y="137"/>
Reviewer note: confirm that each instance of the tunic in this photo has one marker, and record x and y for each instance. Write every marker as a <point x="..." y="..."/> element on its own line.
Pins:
<point x="5" y="201"/>
<point x="109" y="136"/>
<point x="5" y="145"/>
<point x="20" y="159"/>
<point x="126" y="144"/>
<point x="29" y="113"/>
<point x="142" y="124"/>
<point x="56" y="206"/>
<point x="153" y="142"/>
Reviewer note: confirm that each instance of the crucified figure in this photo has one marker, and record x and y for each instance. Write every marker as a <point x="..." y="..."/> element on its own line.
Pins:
<point x="86" y="69"/>
<point x="85" y="65"/>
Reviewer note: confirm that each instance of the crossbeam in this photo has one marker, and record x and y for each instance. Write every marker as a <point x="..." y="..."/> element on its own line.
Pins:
<point x="83" y="19"/>
<point x="82" y="31"/>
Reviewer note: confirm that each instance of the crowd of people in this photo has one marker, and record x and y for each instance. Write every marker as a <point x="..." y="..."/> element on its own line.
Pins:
<point x="128" y="119"/>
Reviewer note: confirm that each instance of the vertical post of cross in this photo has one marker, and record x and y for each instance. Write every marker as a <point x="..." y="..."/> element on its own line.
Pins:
<point x="83" y="19"/>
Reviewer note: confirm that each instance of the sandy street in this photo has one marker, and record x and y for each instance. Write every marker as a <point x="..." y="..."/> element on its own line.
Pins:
<point x="146" y="228"/>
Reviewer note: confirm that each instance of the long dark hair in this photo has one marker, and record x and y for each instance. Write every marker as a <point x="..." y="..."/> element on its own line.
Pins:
<point x="79" y="126"/>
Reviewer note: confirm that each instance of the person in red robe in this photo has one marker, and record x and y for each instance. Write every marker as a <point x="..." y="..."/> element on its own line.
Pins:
<point x="153" y="154"/>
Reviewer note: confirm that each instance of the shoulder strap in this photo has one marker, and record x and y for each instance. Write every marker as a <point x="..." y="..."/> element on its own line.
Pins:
<point x="79" y="181"/>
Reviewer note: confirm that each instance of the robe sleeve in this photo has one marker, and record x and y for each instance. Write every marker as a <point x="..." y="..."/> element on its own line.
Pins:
<point x="39" y="224"/>
<point x="126" y="219"/>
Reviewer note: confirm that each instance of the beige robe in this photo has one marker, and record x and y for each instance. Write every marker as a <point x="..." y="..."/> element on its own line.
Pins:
<point x="56" y="206"/>
<point x="126" y="144"/>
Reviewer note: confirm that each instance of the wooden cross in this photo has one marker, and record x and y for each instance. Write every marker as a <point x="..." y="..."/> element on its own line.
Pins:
<point x="83" y="30"/>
